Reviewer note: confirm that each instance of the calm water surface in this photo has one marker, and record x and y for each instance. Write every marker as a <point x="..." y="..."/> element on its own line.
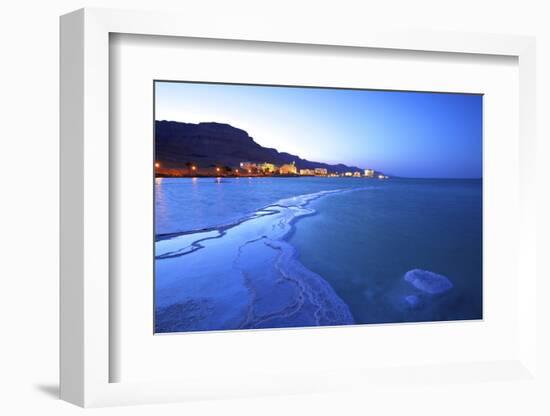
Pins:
<point x="360" y="239"/>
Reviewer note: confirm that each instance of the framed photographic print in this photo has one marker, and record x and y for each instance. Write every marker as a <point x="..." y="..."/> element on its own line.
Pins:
<point x="348" y="206"/>
<point x="271" y="212"/>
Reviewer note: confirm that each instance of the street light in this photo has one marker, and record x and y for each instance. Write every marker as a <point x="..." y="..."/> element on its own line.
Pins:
<point x="157" y="165"/>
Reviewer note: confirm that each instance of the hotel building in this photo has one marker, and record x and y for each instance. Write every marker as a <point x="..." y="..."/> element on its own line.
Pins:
<point x="248" y="166"/>
<point x="288" y="169"/>
<point x="268" y="167"/>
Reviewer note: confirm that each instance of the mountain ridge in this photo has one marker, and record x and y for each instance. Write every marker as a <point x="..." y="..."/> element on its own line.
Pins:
<point x="213" y="144"/>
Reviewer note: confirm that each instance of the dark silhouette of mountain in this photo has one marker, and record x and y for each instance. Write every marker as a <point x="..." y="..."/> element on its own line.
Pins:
<point x="213" y="144"/>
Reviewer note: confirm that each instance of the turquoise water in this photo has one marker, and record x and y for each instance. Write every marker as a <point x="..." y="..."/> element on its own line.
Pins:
<point x="365" y="242"/>
<point x="278" y="252"/>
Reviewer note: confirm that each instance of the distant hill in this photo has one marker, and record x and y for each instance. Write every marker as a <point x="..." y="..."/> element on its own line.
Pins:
<point x="208" y="144"/>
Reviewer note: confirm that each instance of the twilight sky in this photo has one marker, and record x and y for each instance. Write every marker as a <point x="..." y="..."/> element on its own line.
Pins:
<point x="400" y="133"/>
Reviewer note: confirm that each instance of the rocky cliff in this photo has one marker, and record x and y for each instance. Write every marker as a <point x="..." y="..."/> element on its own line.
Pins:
<point x="209" y="144"/>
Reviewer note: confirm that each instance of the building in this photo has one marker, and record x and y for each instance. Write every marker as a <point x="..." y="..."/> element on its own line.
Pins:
<point x="369" y="173"/>
<point x="248" y="165"/>
<point x="307" y="172"/>
<point x="348" y="174"/>
<point x="357" y="174"/>
<point x="288" y="169"/>
<point x="268" y="167"/>
<point x="321" y="172"/>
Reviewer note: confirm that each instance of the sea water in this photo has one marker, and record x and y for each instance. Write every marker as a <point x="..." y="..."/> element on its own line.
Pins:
<point x="265" y="252"/>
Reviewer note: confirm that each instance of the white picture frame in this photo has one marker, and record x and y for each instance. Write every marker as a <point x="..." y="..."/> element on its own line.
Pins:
<point x="85" y="205"/>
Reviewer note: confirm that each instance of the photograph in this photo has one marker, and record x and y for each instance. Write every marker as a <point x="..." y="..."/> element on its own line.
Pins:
<point x="280" y="206"/>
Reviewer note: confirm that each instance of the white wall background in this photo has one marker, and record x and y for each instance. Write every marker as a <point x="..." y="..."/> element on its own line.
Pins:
<point x="29" y="202"/>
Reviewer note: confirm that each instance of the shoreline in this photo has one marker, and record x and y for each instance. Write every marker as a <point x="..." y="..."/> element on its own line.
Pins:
<point x="241" y="176"/>
<point x="264" y="176"/>
<point x="314" y="176"/>
<point x="304" y="298"/>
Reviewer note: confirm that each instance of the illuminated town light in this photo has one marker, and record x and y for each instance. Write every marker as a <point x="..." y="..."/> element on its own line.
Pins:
<point x="157" y="165"/>
<point x="193" y="168"/>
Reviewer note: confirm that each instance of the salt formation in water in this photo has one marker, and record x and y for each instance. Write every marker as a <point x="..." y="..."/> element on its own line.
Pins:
<point x="243" y="275"/>
<point x="413" y="301"/>
<point x="427" y="281"/>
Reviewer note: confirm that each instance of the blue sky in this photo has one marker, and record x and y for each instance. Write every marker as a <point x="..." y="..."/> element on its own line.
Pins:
<point x="428" y="135"/>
